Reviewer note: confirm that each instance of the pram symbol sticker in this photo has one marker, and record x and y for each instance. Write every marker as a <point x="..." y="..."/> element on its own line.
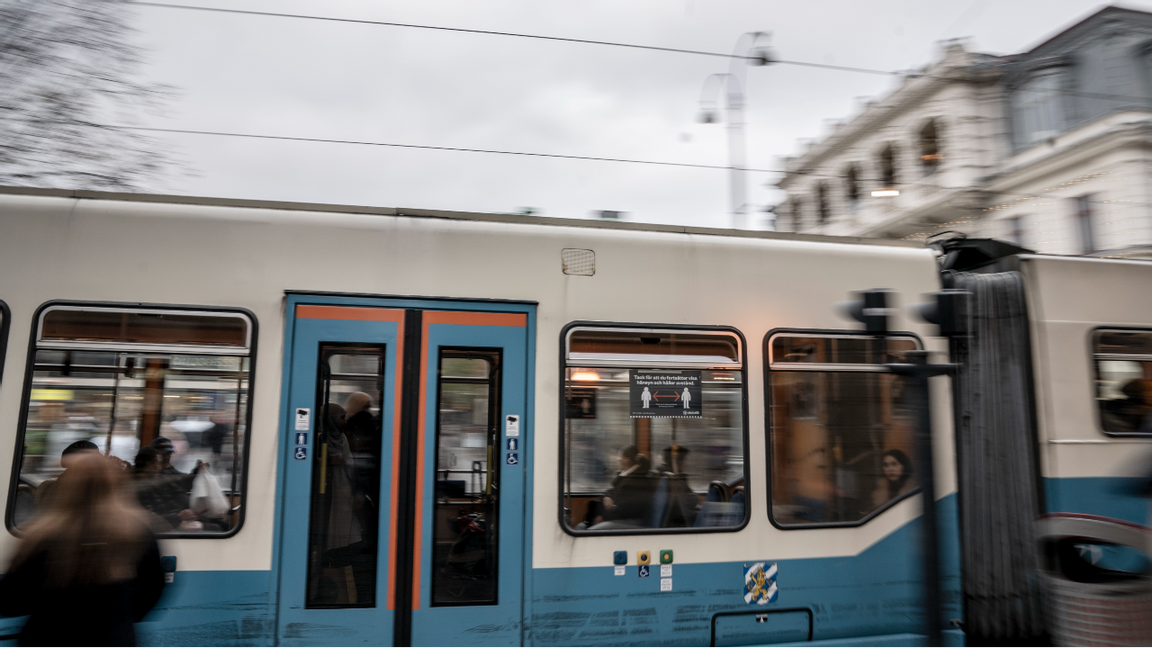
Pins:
<point x="760" y="583"/>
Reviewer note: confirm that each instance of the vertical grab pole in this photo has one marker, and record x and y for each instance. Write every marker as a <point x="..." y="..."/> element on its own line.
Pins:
<point x="917" y="374"/>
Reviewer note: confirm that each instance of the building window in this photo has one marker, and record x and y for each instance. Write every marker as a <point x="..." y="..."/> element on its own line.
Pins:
<point x="930" y="155"/>
<point x="1038" y="109"/>
<point x="888" y="170"/>
<point x="842" y="429"/>
<point x="1083" y="220"/>
<point x="824" y="211"/>
<point x="654" y="429"/>
<point x="852" y="187"/>
<point x="1014" y="230"/>
<point x="164" y="391"/>
<point x="1124" y="380"/>
<point x="798" y="215"/>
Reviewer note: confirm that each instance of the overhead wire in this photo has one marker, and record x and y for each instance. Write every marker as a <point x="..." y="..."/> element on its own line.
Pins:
<point x="427" y="147"/>
<point x="757" y="57"/>
<point x="584" y="41"/>
<point x="488" y="32"/>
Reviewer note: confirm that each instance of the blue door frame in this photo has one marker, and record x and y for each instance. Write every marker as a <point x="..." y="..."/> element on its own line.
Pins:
<point x="412" y="331"/>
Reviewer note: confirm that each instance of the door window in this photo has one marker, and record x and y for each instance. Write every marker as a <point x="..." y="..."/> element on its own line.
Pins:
<point x="467" y="478"/>
<point x="344" y="516"/>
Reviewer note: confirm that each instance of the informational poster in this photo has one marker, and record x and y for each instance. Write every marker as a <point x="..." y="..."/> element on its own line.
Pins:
<point x="666" y="394"/>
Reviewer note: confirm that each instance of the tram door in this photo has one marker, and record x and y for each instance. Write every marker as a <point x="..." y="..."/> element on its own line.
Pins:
<point x="402" y="498"/>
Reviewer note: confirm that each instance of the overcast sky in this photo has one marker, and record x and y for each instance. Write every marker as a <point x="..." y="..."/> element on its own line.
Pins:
<point x="318" y="79"/>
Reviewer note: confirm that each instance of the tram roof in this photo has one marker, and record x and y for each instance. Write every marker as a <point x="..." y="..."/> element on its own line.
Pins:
<point x="521" y="219"/>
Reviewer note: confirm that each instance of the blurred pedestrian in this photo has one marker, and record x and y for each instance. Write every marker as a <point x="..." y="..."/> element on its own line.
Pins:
<point x="88" y="568"/>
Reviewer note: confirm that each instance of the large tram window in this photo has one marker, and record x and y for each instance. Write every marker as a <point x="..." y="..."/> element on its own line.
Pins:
<point x="1124" y="380"/>
<point x="344" y="516"/>
<point x="163" y="392"/>
<point x="842" y="432"/>
<point x="654" y="429"/>
<point x="466" y="523"/>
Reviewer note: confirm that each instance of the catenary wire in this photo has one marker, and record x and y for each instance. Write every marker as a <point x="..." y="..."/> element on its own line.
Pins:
<point x="582" y="41"/>
<point x="452" y="149"/>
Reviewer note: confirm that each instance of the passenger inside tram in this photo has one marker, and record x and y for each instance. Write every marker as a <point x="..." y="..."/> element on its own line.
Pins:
<point x="629" y="500"/>
<point x="47" y="489"/>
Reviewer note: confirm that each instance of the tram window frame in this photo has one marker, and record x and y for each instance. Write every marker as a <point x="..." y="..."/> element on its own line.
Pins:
<point x="5" y="324"/>
<point x="562" y="494"/>
<point x="770" y="431"/>
<point x="1094" y="358"/>
<point x="251" y="345"/>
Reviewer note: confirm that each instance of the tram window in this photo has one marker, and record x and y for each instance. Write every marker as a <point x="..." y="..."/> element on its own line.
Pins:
<point x="4" y="321"/>
<point x="1124" y="380"/>
<point x="344" y="516"/>
<point x="177" y="381"/>
<point x="466" y="523"/>
<point x="654" y="429"/>
<point x="842" y="432"/>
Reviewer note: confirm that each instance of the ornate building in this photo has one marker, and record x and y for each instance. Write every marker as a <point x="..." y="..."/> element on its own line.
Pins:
<point x="1050" y="149"/>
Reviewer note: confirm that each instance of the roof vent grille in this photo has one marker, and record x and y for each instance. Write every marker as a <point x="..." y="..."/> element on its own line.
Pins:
<point x="576" y="261"/>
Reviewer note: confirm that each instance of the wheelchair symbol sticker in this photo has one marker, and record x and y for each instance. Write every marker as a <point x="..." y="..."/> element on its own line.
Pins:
<point x="645" y="571"/>
<point x="513" y="459"/>
<point x="300" y="454"/>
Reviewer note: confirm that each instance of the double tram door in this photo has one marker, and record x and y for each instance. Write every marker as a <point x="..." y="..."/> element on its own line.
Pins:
<point x="403" y="443"/>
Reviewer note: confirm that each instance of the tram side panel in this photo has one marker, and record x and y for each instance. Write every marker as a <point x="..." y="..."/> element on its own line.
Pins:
<point x="1092" y="340"/>
<point x="801" y="546"/>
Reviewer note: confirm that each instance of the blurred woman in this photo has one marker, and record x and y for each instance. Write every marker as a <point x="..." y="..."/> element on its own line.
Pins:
<point x="896" y="471"/>
<point x="88" y="568"/>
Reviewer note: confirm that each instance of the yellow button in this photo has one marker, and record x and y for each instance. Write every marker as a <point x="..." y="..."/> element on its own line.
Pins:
<point x="643" y="557"/>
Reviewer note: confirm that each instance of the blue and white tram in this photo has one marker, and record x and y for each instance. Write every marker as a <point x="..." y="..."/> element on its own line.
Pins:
<point x="442" y="428"/>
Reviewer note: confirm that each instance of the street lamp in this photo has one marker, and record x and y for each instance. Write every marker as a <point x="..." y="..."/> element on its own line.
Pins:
<point x="749" y="50"/>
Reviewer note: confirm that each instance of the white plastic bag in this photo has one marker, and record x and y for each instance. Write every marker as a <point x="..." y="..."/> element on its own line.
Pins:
<point x="207" y="498"/>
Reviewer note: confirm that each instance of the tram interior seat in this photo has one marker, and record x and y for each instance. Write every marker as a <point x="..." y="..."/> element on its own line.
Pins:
<point x="723" y="505"/>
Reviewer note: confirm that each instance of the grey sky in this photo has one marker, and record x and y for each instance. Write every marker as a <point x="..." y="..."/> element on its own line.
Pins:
<point x="306" y="78"/>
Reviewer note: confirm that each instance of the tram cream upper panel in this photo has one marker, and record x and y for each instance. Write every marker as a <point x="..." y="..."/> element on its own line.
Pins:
<point x="1069" y="298"/>
<point x="125" y="251"/>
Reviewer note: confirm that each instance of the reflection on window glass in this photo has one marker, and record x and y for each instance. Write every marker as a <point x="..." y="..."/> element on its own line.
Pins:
<point x="166" y="416"/>
<point x="1124" y="380"/>
<point x="467" y="480"/>
<point x="654" y="430"/>
<point x="842" y="438"/>
<point x="344" y="515"/>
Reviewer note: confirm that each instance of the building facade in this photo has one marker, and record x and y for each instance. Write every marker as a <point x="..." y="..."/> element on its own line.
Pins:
<point x="1050" y="149"/>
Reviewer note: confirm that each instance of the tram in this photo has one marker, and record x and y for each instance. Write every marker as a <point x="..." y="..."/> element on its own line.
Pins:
<point x="443" y="428"/>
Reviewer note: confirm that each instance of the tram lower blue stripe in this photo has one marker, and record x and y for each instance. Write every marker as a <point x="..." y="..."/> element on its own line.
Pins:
<point x="1113" y="497"/>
